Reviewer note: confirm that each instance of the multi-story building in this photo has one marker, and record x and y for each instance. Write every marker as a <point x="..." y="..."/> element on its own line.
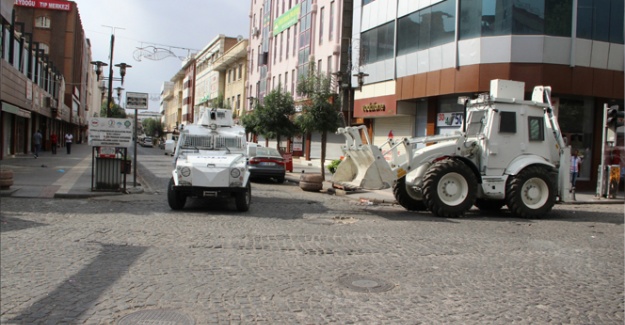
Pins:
<point x="233" y="66"/>
<point x="43" y="83"/>
<point x="168" y="119"/>
<point x="210" y="82"/>
<point x="420" y="56"/>
<point x="286" y="37"/>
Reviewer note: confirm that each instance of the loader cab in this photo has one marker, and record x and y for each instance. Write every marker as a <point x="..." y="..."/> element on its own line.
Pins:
<point x="509" y="127"/>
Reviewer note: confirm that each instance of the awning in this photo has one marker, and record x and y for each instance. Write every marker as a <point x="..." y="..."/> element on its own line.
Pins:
<point x="6" y="107"/>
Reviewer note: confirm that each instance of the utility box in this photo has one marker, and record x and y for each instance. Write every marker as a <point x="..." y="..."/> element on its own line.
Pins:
<point x="507" y="89"/>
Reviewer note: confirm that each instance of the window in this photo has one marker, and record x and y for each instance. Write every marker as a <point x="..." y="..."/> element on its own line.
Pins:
<point x="536" y="128"/>
<point x="331" y="22"/>
<point x="294" y="39"/>
<point x="321" y="12"/>
<point x="42" y="22"/>
<point x="319" y="67"/>
<point x="286" y="80"/>
<point x="252" y="61"/>
<point x="600" y="20"/>
<point x="329" y="63"/>
<point x="240" y="71"/>
<point x="281" y="35"/>
<point x="426" y="28"/>
<point x="507" y="122"/>
<point x="288" y="39"/>
<point x="377" y="44"/>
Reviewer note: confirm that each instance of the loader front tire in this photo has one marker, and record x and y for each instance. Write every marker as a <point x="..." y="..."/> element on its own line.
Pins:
<point x="449" y="188"/>
<point x="406" y="197"/>
<point x="175" y="199"/>
<point x="531" y="193"/>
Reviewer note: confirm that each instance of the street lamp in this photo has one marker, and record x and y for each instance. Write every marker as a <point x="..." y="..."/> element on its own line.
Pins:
<point x="361" y="78"/>
<point x="119" y="94"/>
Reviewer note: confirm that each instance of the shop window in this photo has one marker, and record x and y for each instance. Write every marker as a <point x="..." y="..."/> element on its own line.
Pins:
<point x="536" y="126"/>
<point x="507" y="122"/>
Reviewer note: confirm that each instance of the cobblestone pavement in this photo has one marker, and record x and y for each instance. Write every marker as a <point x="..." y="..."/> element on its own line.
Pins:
<point x="305" y="258"/>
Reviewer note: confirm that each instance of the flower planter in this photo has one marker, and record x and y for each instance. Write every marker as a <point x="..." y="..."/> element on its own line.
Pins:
<point x="6" y="178"/>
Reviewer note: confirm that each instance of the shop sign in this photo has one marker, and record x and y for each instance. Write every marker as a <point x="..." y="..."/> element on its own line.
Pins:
<point x="449" y="119"/>
<point x="374" y="107"/>
<point x="286" y="20"/>
<point x="48" y="4"/>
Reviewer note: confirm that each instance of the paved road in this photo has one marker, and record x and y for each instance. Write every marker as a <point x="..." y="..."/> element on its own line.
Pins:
<point x="302" y="258"/>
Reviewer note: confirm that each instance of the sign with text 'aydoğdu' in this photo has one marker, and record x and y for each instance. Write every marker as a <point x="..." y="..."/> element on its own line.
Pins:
<point x="136" y="100"/>
<point x="110" y="132"/>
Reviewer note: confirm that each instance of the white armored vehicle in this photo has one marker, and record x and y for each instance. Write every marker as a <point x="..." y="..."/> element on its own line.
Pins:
<point x="210" y="161"/>
<point x="509" y="151"/>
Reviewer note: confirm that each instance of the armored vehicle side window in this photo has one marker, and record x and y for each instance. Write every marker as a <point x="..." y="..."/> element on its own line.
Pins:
<point x="536" y="128"/>
<point x="507" y="123"/>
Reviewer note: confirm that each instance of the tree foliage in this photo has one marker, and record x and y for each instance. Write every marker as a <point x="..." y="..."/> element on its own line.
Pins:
<point x="321" y="112"/>
<point x="152" y="127"/>
<point x="116" y="111"/>
<point x="272" y="119"/>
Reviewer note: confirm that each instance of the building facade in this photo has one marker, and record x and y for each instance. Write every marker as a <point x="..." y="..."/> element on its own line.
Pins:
<point x="209" y="82"/>
<point x="233" y="66"/>
<point x="286" y="38"/>
<point x="419" y="57"/>
<point x="43" y="83"/>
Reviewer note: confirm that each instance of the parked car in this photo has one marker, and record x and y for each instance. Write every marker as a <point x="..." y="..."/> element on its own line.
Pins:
<point x="147" y="142"/>
<point x="266" y="163"/>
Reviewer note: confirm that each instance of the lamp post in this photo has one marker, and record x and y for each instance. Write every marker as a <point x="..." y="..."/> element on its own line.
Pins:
<point x="119" y="95"/>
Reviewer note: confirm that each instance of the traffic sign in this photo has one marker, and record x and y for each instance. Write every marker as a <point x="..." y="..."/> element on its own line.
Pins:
<point x="136" y="100"/>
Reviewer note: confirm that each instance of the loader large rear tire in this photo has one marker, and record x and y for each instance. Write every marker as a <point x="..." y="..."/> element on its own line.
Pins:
<point x="531" y="193"/>
<point x="449" y="188"/>
<point x="406" y="197"/>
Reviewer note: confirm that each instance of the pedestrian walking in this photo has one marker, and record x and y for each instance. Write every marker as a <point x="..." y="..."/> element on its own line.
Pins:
<point x="576" y="163"/>
<point x="54" y="142"/>
<point x="37" y="138"/>
<point x="69" y="138"/>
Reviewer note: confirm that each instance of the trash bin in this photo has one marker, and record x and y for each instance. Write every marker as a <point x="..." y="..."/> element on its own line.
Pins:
<point x="288" y="161"/>
<point x="108" y="173"/>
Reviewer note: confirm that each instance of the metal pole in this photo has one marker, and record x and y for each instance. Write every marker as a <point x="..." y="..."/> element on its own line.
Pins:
<point x="134" y="159"/>
<point x="110" y="90"/>
<point x="602" y="164"/>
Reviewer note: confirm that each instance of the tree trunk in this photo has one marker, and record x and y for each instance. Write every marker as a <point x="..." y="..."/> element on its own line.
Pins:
<point x="278" y="143"/>
<point x="324" y="139"/>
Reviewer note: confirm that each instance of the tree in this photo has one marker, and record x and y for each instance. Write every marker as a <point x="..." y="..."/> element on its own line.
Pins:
<point x="321" y="111"/>
<point x="116" y="111"/>
<point x="272" y="119"/>
<point x="152" y="127"/>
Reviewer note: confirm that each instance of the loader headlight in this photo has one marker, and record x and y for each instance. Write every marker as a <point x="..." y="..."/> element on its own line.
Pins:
<point x="235" y="172"/>
<point x="185" y="171"/>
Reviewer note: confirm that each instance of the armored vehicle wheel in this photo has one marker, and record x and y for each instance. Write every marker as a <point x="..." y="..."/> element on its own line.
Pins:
<point x="176" y="200"/>
<point x="531" y="193"/>
<point x="407" y="197"/>
<point x="243" y="199"/>
<point x="489" y="205"/>
<point x="449" y="188"/>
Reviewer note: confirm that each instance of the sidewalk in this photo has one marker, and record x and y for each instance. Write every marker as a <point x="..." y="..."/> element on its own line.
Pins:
<point x="55" y="176"/>
<point x="69" y="176"/>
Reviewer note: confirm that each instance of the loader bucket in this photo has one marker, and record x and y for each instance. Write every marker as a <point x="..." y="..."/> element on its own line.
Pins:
<point x="363" y="165"/>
